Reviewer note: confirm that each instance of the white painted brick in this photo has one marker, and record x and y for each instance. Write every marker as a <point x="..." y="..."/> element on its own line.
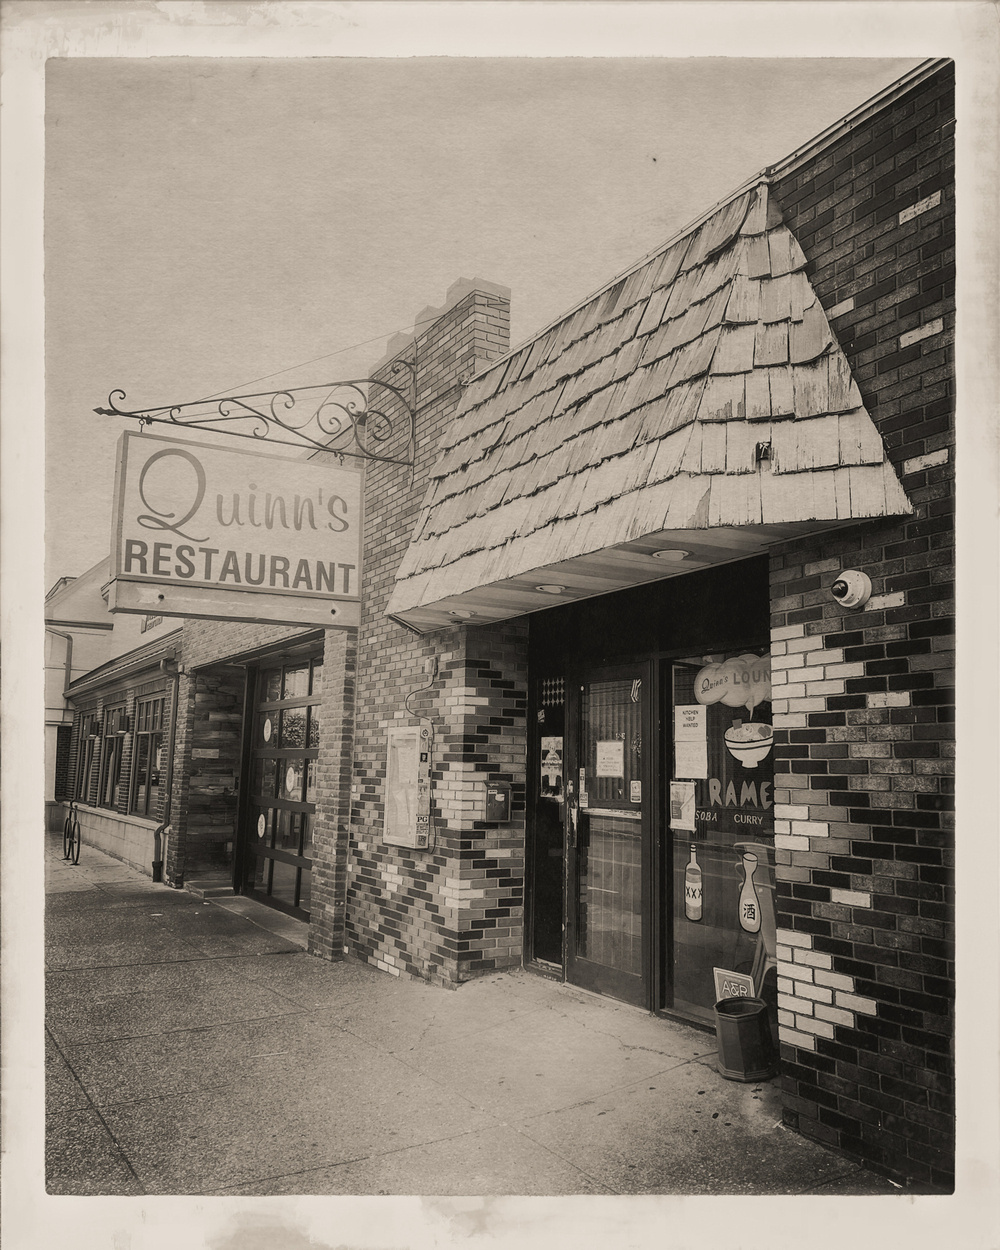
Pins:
<point x="797" y="972"/>
<point x="885" y="601"/>
<point x="836" y="980"/>
<point x="793" y="1038"/>
<point x="921" y="206"/>
<point x="812" y="673"/>
<point x="779" y="707"/>
<point x="817" y="959"/>
<point x="783" y="842"/>
<point x="921" y="332"/>
<point x="803" y="644"/>
<point x="891" y="698"/>
<point x="778" y="648"/>
<point x="785" y="1017"/>
<point x="851" y="898"/>
<point x="851" y="1002"/>
<point x="790" y="937"/>
<point x="789" y="692"/>
<point x="787" y="631"/>
<point x="789" y="1003"/>
<point x="782" y="826"/>
<point x="930" y="461"/>
<point x="814" y="704"/>
<point x="820" y="1027"/>
<point x="819" y="993"/>
<point x="845" y="670"/>
<point x="791" y="811"/>
<point x="785" y="953"/>
<point x="810" y="829"/>
<point x="788" y="720"/>
<point x="824" y="687"/>
<point x="835" y="1015"/>
<point x="782" y="662"/>
<point x="830" y="656"/>
<point x="785" y="993"/>
<point x="838" y="310"/>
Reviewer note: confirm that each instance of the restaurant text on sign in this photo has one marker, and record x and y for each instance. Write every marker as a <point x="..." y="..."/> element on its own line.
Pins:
<point x="205" y="531"/>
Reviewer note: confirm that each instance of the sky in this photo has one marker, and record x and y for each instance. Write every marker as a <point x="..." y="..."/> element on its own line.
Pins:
<point x="210" y="222"/>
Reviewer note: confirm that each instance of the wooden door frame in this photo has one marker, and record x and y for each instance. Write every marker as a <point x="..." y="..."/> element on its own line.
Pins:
<point x="601" y="980"/>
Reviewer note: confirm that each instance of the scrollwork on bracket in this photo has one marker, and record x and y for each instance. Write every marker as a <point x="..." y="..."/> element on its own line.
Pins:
<point x="337" y="417"/>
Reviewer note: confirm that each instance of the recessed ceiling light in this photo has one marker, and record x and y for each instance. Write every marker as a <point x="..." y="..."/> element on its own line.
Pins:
<point x="464" y="613"/>
<point x="671" y="553"/>
<point x="551" y="589"/>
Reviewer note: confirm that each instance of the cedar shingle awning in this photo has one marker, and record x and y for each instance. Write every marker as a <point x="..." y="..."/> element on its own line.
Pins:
<point x="701" y="405"/>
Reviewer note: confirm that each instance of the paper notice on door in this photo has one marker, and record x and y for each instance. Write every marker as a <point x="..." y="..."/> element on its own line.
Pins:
<point x="611" y="758"/>
<point x="690" y="724"/>
<point x="682" y="805"/>
<point x="690" y="741"/>
<point x="691" y="759"/>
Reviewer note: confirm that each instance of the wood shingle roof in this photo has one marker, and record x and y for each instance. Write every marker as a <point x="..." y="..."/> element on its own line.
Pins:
<point x="703" y="391"/>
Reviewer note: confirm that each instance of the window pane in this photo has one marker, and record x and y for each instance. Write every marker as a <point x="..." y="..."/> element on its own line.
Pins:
<point x="291" y="780"/>
<point x="265" y="773"/>
<point x="307" y="835"/>
<point x="296" y="682"/>
<point x="310" y="781"/>
<point x="293" y="727"/>
<point x="141" y="768"/>
<point x="287" y="836"/>
<point x="304" y="889"/>
<point x="283" y="882"/>
<point x="266" y="731"/>
<point x="316" y="684"/>
<point x="271" y="685"/>
<point x="313" y="726"/>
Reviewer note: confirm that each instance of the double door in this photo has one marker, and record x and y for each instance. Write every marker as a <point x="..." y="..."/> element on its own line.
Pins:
<point x="275" y="864"/>
<point x="652" y="849"/>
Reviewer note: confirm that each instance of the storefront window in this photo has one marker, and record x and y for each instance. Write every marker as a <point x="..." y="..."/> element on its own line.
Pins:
<point x="148" y="763"/>
<point x="112" y="751"/>
<point x="85" y="756"/>
<point x="722" y="826"/>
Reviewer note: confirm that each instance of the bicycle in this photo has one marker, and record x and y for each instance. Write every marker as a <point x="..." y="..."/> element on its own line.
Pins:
<point x="71" y="836"/>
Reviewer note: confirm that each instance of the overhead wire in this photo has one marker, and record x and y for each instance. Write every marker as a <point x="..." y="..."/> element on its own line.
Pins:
<point x="316" y="359"/>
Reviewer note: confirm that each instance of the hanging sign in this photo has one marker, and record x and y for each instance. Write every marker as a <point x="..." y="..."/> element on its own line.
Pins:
<point x="205" y="531"/>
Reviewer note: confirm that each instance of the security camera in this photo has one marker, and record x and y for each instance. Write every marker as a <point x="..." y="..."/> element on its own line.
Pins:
<point x="852" y="589"/>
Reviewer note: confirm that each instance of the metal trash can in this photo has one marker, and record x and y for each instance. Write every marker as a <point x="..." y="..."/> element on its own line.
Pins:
<point x="743" y="1037"/>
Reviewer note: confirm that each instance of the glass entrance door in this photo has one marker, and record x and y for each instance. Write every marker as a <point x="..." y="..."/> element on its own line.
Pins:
<point x="278" y="833"/>
<point x="608" y="836"/>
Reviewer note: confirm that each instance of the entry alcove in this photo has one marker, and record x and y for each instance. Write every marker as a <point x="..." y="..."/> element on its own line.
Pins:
<point x="640" y="637"/>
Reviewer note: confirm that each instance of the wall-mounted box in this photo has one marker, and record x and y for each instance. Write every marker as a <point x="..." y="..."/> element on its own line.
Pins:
<point x="407" y="819"/>
<point x="497" y="804"/>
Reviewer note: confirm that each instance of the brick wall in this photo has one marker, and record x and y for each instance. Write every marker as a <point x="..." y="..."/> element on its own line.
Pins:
<point x="455" y="910"/>
<point x="864" y="699"/>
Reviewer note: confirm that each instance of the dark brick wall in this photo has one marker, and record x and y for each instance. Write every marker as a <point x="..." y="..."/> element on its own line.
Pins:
<point x="454" y="910"/>
<point x="864" y="705"/>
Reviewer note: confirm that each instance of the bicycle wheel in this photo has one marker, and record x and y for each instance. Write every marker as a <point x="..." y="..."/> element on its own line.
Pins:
<point x="67" y="837"/>
<point x="74" y="837"/>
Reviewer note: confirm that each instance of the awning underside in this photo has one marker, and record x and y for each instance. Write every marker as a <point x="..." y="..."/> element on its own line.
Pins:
<point x="701" y="403"/>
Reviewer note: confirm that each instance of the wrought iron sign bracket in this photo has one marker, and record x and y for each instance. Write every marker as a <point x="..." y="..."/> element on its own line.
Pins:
<point x="362" y="418"/>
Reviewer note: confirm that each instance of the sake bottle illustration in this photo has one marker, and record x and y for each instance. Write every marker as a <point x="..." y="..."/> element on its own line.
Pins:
<point x="692" y="887"/>
<point x="749" y="902"/>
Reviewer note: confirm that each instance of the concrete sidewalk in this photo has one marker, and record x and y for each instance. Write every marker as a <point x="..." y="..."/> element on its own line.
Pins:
<point x="195" y="1048"/>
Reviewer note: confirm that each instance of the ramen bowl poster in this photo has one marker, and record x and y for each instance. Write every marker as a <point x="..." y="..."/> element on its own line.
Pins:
<point x="737" y="795"/>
